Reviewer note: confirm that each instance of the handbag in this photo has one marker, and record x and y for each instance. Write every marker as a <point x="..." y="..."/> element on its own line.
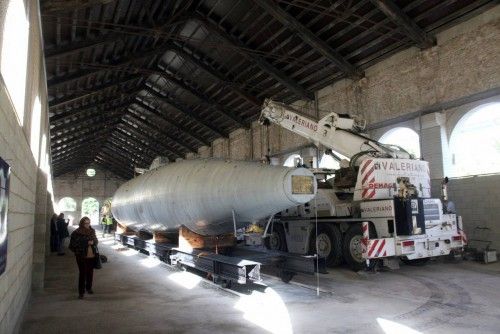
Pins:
<point x="97" y="258"/>
<point x="90" y="252"/>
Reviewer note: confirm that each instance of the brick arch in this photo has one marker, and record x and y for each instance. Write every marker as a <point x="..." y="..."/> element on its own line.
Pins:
<point x="474" y="144"/>
<point x="404" y="137"/>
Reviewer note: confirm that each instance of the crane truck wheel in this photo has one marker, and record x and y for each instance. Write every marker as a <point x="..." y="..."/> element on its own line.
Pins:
<point x="329" y="240"/>
<point x="277" y="239"/>
<point x="352" y="250"/>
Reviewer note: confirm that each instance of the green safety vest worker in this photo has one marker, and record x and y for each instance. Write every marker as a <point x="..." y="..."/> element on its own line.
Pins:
<point x="107" y="221"/>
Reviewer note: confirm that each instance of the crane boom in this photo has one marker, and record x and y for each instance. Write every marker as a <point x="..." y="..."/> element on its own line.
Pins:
<point x="340" y="133"/>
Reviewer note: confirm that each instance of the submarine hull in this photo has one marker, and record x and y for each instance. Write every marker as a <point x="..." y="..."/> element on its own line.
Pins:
<point x="203" y="195"/>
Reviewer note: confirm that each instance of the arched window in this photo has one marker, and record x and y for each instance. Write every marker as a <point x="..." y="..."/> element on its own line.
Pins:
<point x="292" y="161"/>
<point x="327" y="161"/>
<point x="106" y="207"/>
<point x="14" y="54"/>
<point x="403" y="137"/>
<point x="35" y="129"/>
<point x="90" y="208"/>
<point x="67" y="204"/>
<point x="475" y="142"/>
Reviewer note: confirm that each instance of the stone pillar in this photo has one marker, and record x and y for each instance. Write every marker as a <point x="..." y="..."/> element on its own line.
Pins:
<point x="220" y="148"/>
<point x="310" y="157"/>
<point x="40" y="232"/>
<point x="434" y="147"/>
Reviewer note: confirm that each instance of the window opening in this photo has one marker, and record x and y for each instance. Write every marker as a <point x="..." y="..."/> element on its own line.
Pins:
<point x="403" y="137"/>
<point x="475" y="142"/>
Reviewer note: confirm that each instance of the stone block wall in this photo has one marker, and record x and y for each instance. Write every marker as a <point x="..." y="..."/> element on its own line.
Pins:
<point x="464" y="61"/>
<point x="477" y="200"/>
<point x="30" y="203"/>
<point x="79" y="186"/>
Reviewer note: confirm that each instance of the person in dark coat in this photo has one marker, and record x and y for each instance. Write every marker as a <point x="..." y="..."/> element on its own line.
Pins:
<point x="81" y="242"/>
<point x="62" y="232"/>
<point x="54" y="237"/>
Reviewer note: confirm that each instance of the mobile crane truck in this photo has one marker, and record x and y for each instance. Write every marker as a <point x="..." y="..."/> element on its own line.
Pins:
<point x="377" y="205"/>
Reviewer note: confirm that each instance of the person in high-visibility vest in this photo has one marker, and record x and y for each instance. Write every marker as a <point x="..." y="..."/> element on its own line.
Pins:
<point x="107" y="222"/>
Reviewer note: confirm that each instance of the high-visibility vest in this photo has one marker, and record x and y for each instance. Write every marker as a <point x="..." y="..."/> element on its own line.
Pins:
<point x="107" y="221"/>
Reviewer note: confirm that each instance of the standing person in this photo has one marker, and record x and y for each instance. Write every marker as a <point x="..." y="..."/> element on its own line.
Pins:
<point x="54" y="237"/>
<point x="106" y="225"/>
<point x="82" y="240"/>
<point x="62" y="232"/>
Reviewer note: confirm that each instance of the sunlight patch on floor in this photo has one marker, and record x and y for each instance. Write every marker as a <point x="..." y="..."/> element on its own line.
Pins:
<point x="266" y="310"/>
<point x="391" y="327"/>
<point x="150" y="262"/>
<point x="185" y="279"/>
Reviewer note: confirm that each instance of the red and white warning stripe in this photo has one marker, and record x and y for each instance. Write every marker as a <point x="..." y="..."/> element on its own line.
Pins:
<point x="461" y="231"/>
<point x="366" y="236"/>
<point x="376" y="248"/>
<point x="367" y="177"/>
<point x="464" y="237"/>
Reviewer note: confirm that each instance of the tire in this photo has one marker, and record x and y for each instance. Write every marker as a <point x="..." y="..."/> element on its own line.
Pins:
<point x="277" y="239"/>
<point x="416" y="262"/>
<point x="330" y="244"/>
<point x="286" y="276"/>
<point x="351" y="250"/>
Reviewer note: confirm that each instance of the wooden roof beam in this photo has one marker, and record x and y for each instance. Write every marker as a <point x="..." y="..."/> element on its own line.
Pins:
<point x="130" y="149"/>
<point x="91" y="109"/>
<point x="120" y="65"/>
<point x="118" y="160"/>
<point x="310" y="38"/>
<point x="79" y="46"/>
<point x="88" y="120"/>
<point x="116" y="169"/>
<point x="81" y="147"/>
<point x="141" y="138"/>
<point x="80" y="152"/>
<point x="189" y="56"/>
<point x="277" y="74"/>
<point x="136" y="135"/>
<point x="169" y="99"/>
<point x="179" y="127"/>
<point x="205" y="100"/>
<point x="119" y="138"/>
<point x="128" y="154"/>
<point x="409" y="27"/>
<point x="147" y="124"/>
<point x="70" y="135"/>
<point x="48" y="6"/>
<point x="56" y="103"/>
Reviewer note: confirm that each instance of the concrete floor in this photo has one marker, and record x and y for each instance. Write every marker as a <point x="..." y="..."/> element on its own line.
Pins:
<point x="137" y="294"/>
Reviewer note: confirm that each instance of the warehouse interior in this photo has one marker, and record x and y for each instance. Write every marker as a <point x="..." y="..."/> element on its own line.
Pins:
<point x="94" y="93"/>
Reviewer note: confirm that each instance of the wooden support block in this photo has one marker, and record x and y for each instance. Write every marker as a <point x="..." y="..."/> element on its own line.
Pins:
<point x="191" y="240"/>
<point x="144" y="235"/>
<point x="164" y="237"/>
<point x="124" y="230"/>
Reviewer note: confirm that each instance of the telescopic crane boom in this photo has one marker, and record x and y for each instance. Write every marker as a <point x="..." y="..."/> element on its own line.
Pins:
<point x="340" y="133"/>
